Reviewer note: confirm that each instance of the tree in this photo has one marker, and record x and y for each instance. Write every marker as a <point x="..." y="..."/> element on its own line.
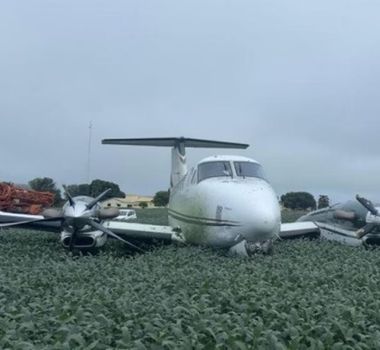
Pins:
<point x="298" y="200"/>
<point x="323" y="201"/>
<point x="46" y="184"/>
<point x="95" y="188"/>
<point x="143" y="205"/>
<point x="99" y="186"/>
<point x="79" y="190"/>
<point x="161" y="198"/>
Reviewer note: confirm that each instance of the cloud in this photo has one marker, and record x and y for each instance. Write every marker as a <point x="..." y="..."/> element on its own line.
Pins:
<point x="299" y="81"/>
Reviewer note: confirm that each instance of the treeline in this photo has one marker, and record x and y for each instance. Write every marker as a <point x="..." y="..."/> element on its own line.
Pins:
<point x="304" y="201"/>
<point x="96" y="187"/>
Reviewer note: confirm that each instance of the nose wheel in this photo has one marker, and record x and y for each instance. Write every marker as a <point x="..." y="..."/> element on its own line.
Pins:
<point x="265" y="247"/>
<point x="248" y="249"/>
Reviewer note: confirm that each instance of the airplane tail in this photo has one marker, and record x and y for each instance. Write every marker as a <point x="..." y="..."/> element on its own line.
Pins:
<point x="178" y="144"/>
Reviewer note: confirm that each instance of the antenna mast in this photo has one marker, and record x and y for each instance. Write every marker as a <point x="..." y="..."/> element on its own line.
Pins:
<point x="89" y="151"/>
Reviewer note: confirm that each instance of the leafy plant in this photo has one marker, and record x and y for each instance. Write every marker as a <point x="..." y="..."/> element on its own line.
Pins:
<point x="308" y="295"/>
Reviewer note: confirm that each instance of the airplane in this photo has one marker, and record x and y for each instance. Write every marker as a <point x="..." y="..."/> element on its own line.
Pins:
<point x="224" y="201"/>
<point x="353" y="223"/>
<point x="79" y="222"/>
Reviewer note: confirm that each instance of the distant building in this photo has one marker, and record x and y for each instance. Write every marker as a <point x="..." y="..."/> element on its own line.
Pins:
<point x="129" y="201"/>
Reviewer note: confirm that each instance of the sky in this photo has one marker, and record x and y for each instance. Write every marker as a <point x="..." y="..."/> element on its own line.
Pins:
<point x="297" y="80"/>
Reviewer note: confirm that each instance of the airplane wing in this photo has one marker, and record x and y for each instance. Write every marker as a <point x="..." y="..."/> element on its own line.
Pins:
<point x="325" y="231"/>
<point x="299" y="229"/>
<point x="10" y="218"/>
<point x="143" y="231"/>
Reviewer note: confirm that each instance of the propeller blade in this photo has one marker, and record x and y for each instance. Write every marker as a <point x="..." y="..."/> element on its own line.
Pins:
<point x="68" y="195"/>
<point x="26" y="222"/>
<point x="367" y="204"/>
<point x="98" y="199"/>
<point x="114" y="235"/>
<point x="365" y="230"/>
<point x="73" y="239"/>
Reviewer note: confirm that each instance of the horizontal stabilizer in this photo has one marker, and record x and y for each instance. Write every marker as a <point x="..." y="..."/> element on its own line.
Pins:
<point x="174" y="141"/>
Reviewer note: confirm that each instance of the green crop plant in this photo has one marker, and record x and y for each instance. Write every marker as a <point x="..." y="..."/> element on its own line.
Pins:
<point x="307" y="295"/>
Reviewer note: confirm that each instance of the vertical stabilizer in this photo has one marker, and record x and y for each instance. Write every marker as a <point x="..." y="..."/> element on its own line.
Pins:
<point x="179" y="164"/>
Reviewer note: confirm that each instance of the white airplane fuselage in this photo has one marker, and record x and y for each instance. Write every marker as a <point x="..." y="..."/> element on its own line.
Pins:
<point x="222" y="202"/>
<point x="223" y="211"/>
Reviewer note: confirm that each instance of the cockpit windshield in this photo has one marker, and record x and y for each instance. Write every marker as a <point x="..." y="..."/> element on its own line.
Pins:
<point x="249" y="169"/>
<point x="214" y="169"/>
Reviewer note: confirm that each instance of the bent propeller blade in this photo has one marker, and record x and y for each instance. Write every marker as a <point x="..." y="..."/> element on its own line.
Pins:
<point x="365" y="230"/>
<point x="114" y="235"/>
<point x="367" y="204"/>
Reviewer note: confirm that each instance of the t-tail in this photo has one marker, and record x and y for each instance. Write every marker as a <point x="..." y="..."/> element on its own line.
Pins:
<point x="178" y="144"/>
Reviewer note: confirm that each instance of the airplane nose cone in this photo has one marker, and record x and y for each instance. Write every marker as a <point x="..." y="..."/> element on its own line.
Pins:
<point x="262" y="224"/>
<point x="249" y="205"/>
<point x="262" y="217"/>
<point x="76" y="212"/>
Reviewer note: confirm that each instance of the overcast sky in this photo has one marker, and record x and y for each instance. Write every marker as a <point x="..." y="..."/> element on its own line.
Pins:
<point x="297" y="80"/>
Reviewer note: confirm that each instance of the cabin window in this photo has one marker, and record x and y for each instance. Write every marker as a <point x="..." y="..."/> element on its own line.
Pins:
<point x="249" y="169"/>
<point x="214" y="169"/>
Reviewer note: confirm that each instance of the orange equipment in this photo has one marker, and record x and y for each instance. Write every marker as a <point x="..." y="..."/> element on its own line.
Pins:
<point x="18" y="200"/>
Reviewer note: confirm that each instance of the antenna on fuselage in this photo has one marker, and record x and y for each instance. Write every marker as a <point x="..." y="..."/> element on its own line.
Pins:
<point x="178" y="144"/>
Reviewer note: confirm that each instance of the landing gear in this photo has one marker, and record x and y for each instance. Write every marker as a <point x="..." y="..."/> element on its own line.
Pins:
<point x="265" y="247"/>
<point x="248" y="249"/>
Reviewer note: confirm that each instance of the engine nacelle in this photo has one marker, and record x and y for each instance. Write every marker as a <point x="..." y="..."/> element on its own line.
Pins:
<point x="84" y="239"/>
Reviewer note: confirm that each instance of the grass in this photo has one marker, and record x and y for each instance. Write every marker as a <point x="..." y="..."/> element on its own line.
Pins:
<point x="308" y="295"/>
<point x="155" y="216"/>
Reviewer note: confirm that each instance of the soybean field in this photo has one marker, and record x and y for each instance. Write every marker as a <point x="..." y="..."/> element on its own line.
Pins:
<point x="307" y="295"/>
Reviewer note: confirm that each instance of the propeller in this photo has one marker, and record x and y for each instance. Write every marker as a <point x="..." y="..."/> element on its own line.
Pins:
<point x="27" y="222"/>
<point x="372" y="219"/>
<point x="68" y="195"/>
<point x="366" y="203"/>
<point x="97" y="199"/>
<point x="100" y="227"/>
<point x="365" y="230"/>
<point x="78" y="215"/>
<point x="73" y="239"/>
